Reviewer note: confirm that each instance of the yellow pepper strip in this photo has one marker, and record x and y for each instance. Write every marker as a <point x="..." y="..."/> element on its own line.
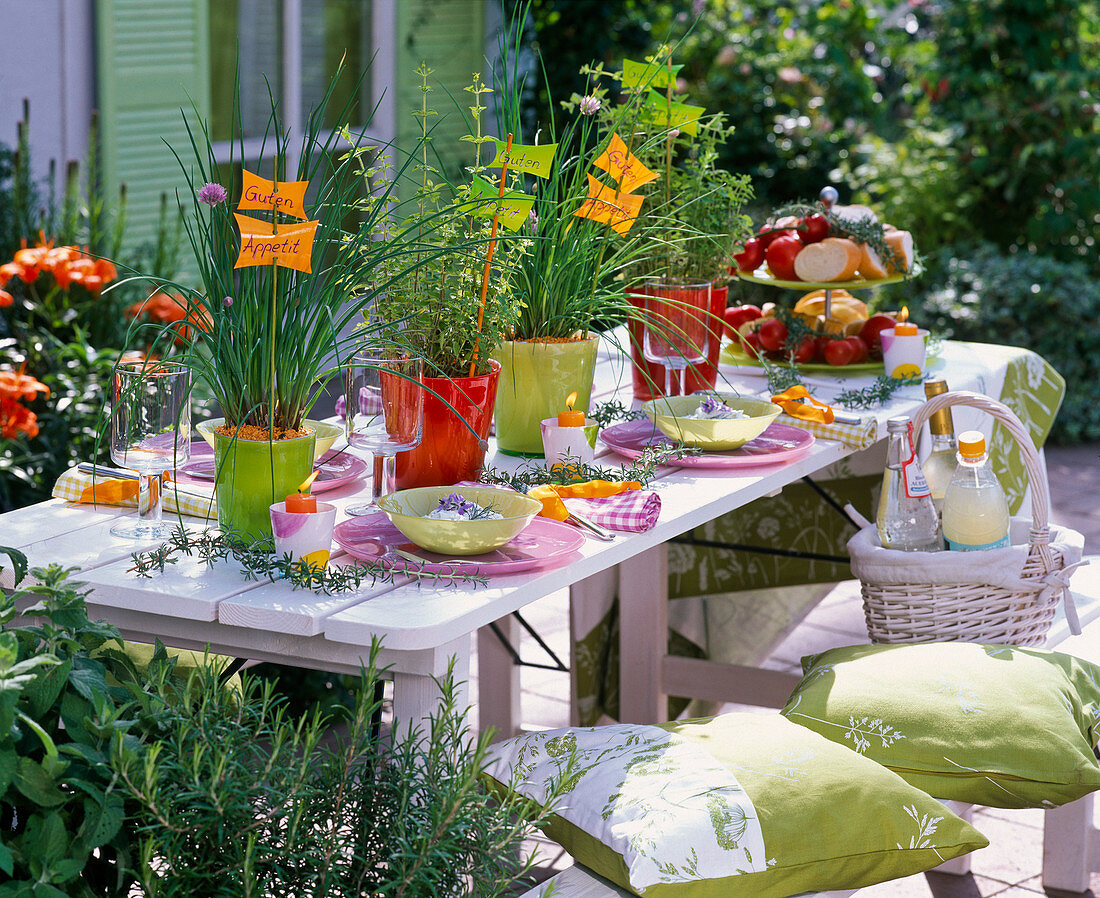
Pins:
<point x="791" y="402"/>
<point x="551" y="496"/>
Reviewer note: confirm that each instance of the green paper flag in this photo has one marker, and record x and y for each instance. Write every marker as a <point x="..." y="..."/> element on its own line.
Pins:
<point x="683" y="116"/>
<point x="514" y="207"/>
<point x="648" y="74"/>
<point x="525" y="160"/>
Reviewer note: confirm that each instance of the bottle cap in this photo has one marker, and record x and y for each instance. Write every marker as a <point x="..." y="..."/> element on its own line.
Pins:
<point x="934" y="388"/>
<point x="900" y="424"/>
<point x="971" y="444"/>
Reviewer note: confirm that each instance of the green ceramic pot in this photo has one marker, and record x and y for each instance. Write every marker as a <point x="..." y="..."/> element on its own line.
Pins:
<point x="535" y="381"/>
<point x="251" y="475"/>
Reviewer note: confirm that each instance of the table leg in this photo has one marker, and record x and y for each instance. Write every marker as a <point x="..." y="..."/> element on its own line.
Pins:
<point x="498" y="684"/>
<point x="643" y="636"/>
<point x="416" y="696"/>
<point x="1068" y="837"/>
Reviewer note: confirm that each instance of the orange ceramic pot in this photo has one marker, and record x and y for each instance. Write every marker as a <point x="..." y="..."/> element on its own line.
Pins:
<point x="449" y="451"/>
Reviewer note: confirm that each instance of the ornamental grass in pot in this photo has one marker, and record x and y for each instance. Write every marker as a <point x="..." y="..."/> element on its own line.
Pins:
<point x="570" y="281"/>
<point x="268" y="325"/>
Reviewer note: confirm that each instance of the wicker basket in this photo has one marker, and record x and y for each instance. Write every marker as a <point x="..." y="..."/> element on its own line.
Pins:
<point x="938" y="611"/>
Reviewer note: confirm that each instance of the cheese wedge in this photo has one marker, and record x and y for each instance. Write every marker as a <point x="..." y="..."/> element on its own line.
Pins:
<point x="832" y="259"/>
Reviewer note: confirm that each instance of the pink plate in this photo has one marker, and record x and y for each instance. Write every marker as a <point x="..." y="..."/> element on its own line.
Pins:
<point x="779" y="443"/>
<point x="336" y="468"/>
<point x="543" y="541"/>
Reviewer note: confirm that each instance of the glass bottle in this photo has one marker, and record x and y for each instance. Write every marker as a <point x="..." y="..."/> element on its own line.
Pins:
<point x="940" y="464"/>
<point x="975" y="510"/>
<point x="907" y="519"/>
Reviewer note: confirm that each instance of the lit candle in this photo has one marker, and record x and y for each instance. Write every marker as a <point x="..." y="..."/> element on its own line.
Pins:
<point x="571" y="417"/>
<point x="905" y="327"/>
<point x="303" y="502"/>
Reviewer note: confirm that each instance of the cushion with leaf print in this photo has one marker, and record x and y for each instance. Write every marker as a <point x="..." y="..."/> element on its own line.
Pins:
<point x="745" y="803"/>
<point x="995" y="725"/>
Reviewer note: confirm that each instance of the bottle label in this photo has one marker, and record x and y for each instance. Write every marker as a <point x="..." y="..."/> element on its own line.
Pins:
<point x="953" y="546"/>
<point x="916" y="487"/>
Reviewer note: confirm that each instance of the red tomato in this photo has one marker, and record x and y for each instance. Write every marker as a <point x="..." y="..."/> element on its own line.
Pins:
<point x="751" y="343"/>
<point x="780" y="255"/>
<point x="804" y="351"/>
<point x="768" y="233"/>
<point x="813" y="228"/>
<point x="735" y="316"/>
<point x="862" y="351"/>
<point x="752" y="256"/>
<point x="819" y="347"/>
<point x="871" y="330"/>
<point x="773" y="334"/>
<point x="839" y="352"/>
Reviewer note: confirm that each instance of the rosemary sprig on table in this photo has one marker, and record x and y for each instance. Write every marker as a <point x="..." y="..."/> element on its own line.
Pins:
<point x="533" y="473"/>
<point x="878" y="393"/>
<point x="258" y="562"/>
<point x="607" y="413"/>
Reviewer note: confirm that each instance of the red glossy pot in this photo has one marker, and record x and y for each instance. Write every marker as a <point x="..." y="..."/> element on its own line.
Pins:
<point x="649" y="377"/>
<point x="448" y="451"/>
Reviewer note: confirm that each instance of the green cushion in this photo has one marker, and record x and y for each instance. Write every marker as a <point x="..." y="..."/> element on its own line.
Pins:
<point x="993" y="725"/>
<point x="745" y="803"/>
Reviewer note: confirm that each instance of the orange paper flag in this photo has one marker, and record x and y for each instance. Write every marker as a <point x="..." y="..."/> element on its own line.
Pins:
<point x="551" y="495"/>
<point x="287" y="197"/>
<point x="620" y="210"/>
<point x="290" y="246"/>
<point x="110" y="492"/>
<point x="624" y="167"/>
<point x="790" y="401"/>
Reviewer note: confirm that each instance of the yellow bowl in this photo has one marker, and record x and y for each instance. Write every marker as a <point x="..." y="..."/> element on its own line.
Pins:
<point x="406" y="509"/>
<point x="326" y="433"/>
<point x="670" y="416"/>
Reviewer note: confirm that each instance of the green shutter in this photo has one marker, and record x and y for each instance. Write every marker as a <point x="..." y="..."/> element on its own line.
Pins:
<point x="449" y="35"/>
<point x="153" y="61"/>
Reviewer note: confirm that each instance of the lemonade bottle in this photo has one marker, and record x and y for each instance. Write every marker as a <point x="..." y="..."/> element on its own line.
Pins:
<point x="975" y="511"/>
<point x="906" y="518"/>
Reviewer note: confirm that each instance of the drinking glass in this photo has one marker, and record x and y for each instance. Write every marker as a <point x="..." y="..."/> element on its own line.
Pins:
<point x="385" y="413"/>
<point x="675" y="332"/>
<point x="150" y="434"/>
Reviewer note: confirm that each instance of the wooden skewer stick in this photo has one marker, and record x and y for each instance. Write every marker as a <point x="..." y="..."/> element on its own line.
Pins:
<point x="489" y="258"/>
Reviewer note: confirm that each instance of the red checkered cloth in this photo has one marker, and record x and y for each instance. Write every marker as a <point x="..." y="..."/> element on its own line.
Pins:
<point x="632" y="511"/>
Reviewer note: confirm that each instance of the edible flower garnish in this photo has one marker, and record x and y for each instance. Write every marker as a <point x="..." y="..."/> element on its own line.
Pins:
<point x="456" y="507"/>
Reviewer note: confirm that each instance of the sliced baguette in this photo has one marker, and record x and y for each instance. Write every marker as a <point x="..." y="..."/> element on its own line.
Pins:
<point x="832" y="259"/>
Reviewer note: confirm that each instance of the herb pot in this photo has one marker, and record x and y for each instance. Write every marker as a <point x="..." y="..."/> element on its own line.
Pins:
<point x="536" y="379"/>
<point x="449" y="450"/>
<point x="649" y="377"/>
<point x="251" y="475"/>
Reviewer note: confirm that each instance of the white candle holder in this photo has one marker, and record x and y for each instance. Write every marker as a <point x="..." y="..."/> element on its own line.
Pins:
<point x="304" y="536"/>
<point x="903" y="355"/>
<point x="563" y="445"/>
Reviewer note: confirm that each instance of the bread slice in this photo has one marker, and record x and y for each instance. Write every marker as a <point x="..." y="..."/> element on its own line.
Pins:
<point x="901" y="262"/>
<point x="832" y="259"/>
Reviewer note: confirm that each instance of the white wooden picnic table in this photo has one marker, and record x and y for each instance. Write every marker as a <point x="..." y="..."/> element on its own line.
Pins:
<point x="424" y="627"/>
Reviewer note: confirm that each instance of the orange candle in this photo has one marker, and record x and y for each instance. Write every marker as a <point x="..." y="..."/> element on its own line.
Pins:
<point x="905" y="329"/>
<point x="302" y="502"/>
<point x="571" y="417"/>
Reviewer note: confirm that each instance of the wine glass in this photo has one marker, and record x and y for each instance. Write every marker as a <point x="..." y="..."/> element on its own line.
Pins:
<point x="150" y="434"/>
<point x="675" y="332"/>
<point x="385" y="412"/>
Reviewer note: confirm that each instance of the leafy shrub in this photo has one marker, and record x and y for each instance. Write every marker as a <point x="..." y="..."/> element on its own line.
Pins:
<point x="981" y="294"/>
<point x="63" y="684"/>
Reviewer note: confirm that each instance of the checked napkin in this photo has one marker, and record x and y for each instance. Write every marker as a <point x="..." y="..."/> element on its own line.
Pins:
<point x="193" y="499"/>
<point x="856" y="436"/>
<point x="633" y="511"/>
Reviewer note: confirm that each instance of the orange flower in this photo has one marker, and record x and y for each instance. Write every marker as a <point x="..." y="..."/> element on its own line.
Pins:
<point x="6" y="299"/>
<point x="16" y="419"/>
<point x="66" y="263"/>
<point x="17" y="385"/>
<point x="8" y="271"/>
